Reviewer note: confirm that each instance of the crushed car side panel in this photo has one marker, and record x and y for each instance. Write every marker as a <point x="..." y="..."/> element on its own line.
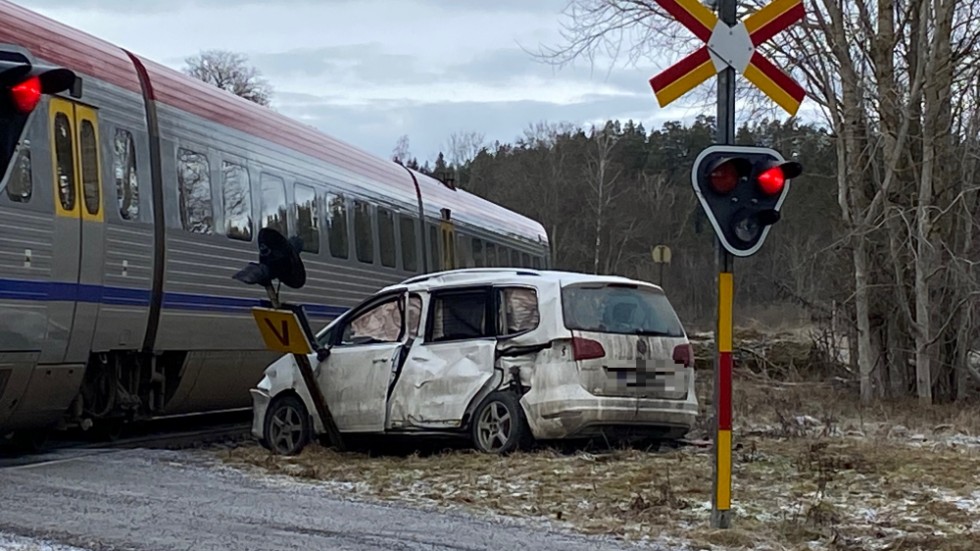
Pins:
<point x="438" y="381"/>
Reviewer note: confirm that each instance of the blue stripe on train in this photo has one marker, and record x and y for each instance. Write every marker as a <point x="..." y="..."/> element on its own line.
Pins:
<point x="53" y="291"/>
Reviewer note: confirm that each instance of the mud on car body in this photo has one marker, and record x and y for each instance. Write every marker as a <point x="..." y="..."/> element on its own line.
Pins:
<point x="500" y="356"/>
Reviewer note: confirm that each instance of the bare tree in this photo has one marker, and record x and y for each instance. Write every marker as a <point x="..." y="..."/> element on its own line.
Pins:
<point x="463" y="147"/>
<point x="230" y="71"/>
<point x="401" y="152"/>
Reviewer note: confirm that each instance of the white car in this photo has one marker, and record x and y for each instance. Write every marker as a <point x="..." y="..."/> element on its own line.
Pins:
<point x="501" y="356"/>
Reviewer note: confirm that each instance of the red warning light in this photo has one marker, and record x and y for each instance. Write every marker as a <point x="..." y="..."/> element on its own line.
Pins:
<point x="724" y="178"/>
<point x="772" y="180"/>
<point x="26" y="95"/>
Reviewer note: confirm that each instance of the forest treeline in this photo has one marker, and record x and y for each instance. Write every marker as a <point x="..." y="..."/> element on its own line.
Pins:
<point x="607" y="196"/>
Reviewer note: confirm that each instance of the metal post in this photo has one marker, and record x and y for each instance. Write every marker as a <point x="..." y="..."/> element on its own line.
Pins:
<point x="309" y="378"/>
<point x="721" y="497"/>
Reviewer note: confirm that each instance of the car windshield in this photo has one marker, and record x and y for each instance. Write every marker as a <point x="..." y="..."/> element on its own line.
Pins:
<point x="619" y="308"/>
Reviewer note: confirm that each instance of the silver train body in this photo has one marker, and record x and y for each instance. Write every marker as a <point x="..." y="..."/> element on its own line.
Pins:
<point x="124" y="213"/>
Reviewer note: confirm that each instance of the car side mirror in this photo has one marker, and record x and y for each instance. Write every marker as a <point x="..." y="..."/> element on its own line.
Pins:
<point x="322" y="354"/>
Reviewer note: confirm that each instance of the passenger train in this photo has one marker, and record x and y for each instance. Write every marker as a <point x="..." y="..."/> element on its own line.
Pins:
<point x="131" y="194"/>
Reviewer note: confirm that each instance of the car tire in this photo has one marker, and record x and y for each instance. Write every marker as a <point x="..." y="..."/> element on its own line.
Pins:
<point x="499" y="425"/>
<point x="287" y="425"/>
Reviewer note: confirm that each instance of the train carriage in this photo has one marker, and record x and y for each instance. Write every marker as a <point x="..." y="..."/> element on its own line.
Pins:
<point x="132" y="195"/>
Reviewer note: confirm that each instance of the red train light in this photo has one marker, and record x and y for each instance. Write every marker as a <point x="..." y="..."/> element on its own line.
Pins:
<point x="26" y="95"/>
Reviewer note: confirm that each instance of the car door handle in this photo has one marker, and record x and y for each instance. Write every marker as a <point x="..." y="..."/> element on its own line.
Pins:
<point x="380" y="360"/>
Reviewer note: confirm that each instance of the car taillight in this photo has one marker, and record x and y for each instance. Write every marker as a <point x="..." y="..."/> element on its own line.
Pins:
<point x="586" y="349"/>
<point x="684" y="354"/>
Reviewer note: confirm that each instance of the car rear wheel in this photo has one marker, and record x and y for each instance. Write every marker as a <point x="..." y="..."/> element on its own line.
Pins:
<point x="499" y="425"/>
<point x="287" y="425"/>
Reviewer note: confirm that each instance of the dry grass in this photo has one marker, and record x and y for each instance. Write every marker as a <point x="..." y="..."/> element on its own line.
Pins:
<point x="809" y="469"/>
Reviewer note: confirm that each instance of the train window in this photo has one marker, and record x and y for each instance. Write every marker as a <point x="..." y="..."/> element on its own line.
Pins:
<point x="307" y="217"/>
<point x="65" y="159"/>
<point x="19" y="187"/>
<point x="491" y="255"/>
<point x="337" y="225"/>
<point x="274" y="204"/>
<point x="124" y="169"/>
<point x="478" y="259"/>
<point x="88" y="143"/>
<point x="363" y="236"/>
<point x="237" y="194"/>
<point x="463" y="251"/>
<point x="386" y="234"/>
<point x="434" y="258"/>
<point x="410" y="259"/>
<point x="194" y="177"/>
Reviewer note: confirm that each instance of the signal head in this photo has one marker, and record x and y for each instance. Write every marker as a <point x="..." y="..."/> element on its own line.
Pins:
<point x="23" y="81"/>
<point x="741" y="190"/>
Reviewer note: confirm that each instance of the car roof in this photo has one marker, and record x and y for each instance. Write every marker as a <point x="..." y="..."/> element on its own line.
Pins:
<point x="475" y="276"/>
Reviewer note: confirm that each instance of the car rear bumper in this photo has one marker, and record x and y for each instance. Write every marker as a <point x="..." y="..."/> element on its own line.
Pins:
<point x="260" y="403"/>
<point x="575" y="413"/>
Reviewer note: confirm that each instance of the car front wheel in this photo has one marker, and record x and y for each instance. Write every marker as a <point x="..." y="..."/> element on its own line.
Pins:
<point x="287" y="425"/>
<point x="499" y="425"/>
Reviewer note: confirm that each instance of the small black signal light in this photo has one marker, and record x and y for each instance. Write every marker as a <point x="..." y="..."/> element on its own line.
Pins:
<point x="23" y="81"/>
<point x="741" y="190"/>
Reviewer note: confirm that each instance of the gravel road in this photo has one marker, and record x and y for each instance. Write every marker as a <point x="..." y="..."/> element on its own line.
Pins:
<point x="163" y="500"/>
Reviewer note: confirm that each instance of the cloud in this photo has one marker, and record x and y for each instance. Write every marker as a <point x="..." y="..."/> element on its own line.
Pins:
<point x="376" y="127"/>
<point x="369" y="71"/>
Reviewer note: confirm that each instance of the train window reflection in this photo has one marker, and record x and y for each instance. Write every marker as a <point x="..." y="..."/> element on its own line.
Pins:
<point x="363" y="234"/>
<point x="478" y="260"/>
<point x="237" y="195"/>
<point x="274" y="204"/>
<point x="194" y="177"/>
<point x="337" y="225"/>
<point x="90" y="167"/>
<point x="65" y="159"/>
<point x="124" y="170"/>
<point x="386" y="234"/>
<point x="20" y="188"/>
<point x="434" y="257"/>
<point x="410" y="259"/>
<point x="307" y="217"/>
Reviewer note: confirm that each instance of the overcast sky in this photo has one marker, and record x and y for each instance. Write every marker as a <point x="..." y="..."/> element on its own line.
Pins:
<point x="369" y="71"/>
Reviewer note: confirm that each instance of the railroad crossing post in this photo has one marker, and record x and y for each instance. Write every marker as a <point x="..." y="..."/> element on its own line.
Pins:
<point x="284" y="327"/>
<point x="730" y="46"/>
<point x="721" y="500"/>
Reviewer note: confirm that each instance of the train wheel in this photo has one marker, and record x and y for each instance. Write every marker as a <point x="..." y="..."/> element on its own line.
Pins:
<point x="287" y="425"/>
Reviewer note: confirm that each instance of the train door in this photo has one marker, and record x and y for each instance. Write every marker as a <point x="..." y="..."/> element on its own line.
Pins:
<point x="78" y="232"/>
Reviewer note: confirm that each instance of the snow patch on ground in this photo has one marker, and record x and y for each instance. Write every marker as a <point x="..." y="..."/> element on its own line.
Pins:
<point x="10" y="542"/>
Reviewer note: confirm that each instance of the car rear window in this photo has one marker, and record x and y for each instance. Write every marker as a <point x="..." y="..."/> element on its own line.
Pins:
<point x="619" y="308"/>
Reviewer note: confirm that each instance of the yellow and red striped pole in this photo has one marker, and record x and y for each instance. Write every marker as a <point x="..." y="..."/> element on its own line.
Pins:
<point x="722" y="500"/>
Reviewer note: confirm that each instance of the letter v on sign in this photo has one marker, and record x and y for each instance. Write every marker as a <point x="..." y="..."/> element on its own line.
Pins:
<point x="733" y="47"/>
<point x="281" y="331"/>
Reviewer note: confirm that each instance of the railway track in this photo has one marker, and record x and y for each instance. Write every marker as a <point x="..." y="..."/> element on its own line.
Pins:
<point x="169" y="434"/>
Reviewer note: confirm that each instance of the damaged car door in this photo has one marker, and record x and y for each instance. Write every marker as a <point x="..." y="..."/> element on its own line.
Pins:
<point x="456" y="357"/>
<point x="363" y="351"/>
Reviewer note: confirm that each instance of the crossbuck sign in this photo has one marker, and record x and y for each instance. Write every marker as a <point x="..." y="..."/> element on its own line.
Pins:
<point x="731" y="46"/>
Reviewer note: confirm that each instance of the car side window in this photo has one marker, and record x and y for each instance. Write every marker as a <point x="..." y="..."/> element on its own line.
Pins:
<point x="414" y="314"/>
<point x="517" y="310"/>
<point x="460" y="315"/>
<point x="381" y="323"/>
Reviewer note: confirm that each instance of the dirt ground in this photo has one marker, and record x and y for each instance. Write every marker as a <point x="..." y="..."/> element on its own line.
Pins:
<point x="812" y="470"/>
